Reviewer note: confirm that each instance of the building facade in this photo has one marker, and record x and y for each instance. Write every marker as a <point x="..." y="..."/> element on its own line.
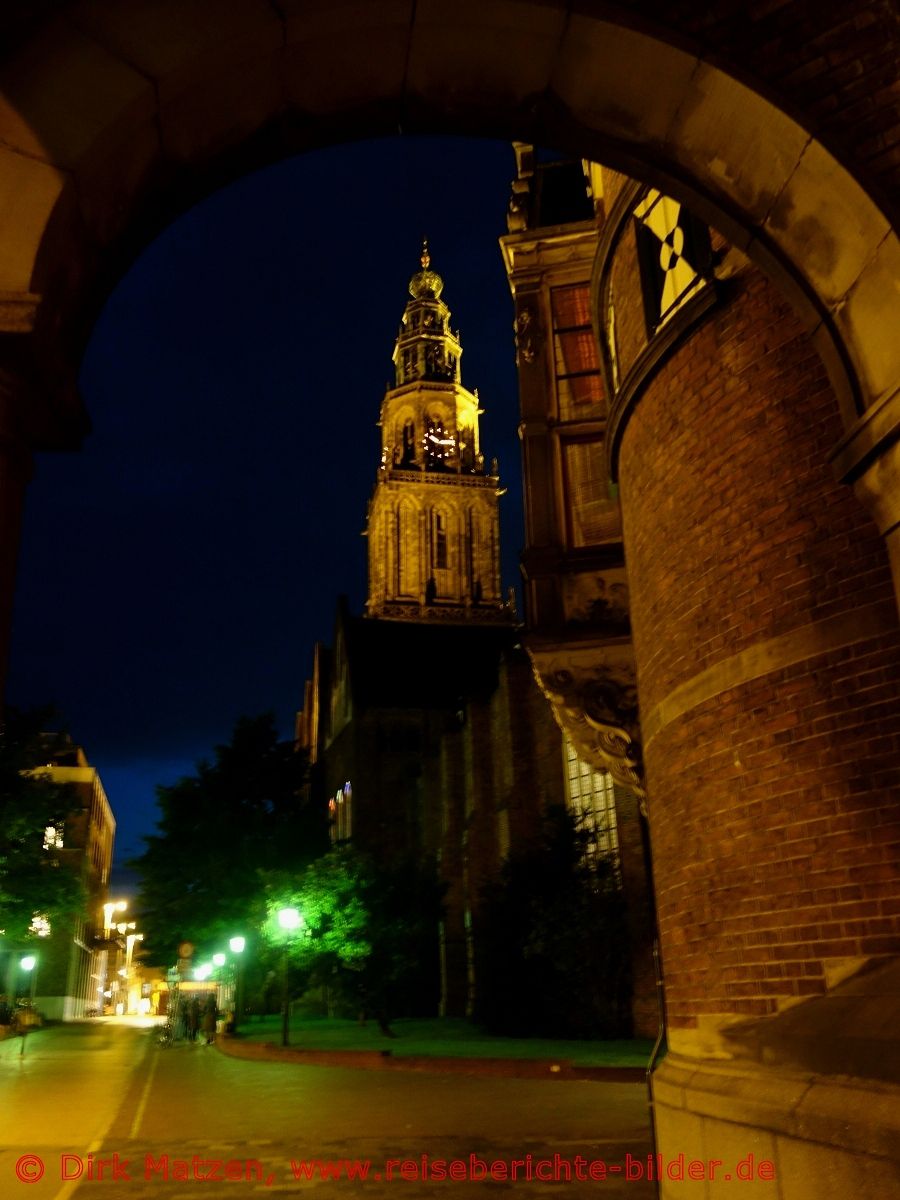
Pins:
<point x="72" y="967"/>
<point x="774" y="878"/>
<point x="577" y="625"/>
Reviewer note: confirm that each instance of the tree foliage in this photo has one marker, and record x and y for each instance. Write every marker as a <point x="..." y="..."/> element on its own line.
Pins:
<point x="554" y="958"/>
<point x="243" y="813"/>
<point x="369" y="931"/>
<point x="33" y="880"/>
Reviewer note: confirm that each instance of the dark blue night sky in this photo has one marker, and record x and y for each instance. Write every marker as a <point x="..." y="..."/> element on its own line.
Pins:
<point x="177" y="572"/>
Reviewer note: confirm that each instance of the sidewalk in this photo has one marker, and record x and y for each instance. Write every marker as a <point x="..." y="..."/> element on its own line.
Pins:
<point x="441" y="1046"/>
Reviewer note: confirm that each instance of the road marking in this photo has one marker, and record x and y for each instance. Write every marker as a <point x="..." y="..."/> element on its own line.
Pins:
<point x="69" y="1187"/>
<point x="145" y="1096"/>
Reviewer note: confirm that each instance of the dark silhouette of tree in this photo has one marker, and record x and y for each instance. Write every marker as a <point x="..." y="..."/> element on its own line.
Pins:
<point x="553" y="955"/>
<point x="245" y="812"/>
<point x="33" y="878"/>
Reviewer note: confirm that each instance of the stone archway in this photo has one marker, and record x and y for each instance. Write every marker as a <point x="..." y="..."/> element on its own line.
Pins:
<point x="112" y="119"/>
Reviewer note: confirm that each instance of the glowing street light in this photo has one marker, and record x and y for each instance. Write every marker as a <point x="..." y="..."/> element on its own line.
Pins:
<point x="236" y="945"/>
<point x="290" y="919"/>
<point x="108" y="910"/>
<point x="28" y="963"/>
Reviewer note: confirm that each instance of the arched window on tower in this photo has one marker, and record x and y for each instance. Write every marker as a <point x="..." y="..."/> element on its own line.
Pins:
<point x="410" y="366"/>
<point x="439" y="542"/>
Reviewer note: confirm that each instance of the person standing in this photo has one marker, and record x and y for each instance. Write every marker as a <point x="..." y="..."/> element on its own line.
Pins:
<point x="193" y="1018"/>
<point x="210" y="1014"/>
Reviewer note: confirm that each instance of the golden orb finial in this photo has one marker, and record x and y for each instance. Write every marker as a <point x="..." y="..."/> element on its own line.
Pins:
<point x="426" y="284"/>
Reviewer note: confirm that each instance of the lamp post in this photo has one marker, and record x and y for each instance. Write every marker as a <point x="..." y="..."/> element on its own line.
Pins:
<point x="237" y="945"/>
<point x="121" y="973"/>
<point x="289" y="919"/>
<point x="129" y="955"/>
<point x="29" y="965"/>
<point x="113" y="906"/>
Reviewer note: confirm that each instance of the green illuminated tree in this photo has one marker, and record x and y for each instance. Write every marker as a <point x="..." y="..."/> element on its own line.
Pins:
<point x="244" y="813"/>
<point x="33" y="879"/>
<point x="369" y="932"/>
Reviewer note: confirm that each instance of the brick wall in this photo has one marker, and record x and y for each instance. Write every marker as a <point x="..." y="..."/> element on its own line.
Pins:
<point x="768" y="655"/>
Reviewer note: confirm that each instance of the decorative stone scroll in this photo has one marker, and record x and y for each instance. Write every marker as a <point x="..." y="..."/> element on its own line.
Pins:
<point x="593" y="693"/>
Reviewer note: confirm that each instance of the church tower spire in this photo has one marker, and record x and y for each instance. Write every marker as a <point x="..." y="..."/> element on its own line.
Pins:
<point x="433" y="523"/>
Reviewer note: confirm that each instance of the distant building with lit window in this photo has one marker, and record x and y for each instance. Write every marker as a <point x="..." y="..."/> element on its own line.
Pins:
<point x="70" y="959"/>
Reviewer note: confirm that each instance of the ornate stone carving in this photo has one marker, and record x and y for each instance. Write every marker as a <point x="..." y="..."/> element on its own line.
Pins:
<point x="593" y="693"/>
<point x="529" y="334"/>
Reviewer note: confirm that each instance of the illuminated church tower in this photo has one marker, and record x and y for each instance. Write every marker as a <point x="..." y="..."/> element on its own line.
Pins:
<point x="433" y="525"/>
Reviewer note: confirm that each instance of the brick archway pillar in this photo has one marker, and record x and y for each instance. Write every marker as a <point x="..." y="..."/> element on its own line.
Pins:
<point x="768" y="662"/>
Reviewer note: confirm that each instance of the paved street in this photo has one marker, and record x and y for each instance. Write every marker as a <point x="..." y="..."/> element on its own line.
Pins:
<point x="164" y="1122"/>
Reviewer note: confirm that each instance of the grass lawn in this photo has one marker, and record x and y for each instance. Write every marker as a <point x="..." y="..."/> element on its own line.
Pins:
<point x="443" y="1036"/>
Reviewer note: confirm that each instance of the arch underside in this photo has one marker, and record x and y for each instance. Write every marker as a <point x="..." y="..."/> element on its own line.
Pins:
<point x="114" y="118"/>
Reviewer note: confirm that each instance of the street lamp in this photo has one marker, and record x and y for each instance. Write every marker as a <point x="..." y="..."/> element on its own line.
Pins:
<point x="121" y="943"/>
<point x="129" y="954"/>
<point x="113" y="906"/>
<point x="236" y="946"/>
<point x="28" y="964"/>
<point x="289" y="919"/>
<point x="108" y="910"/>
<point x="219" y="959"/>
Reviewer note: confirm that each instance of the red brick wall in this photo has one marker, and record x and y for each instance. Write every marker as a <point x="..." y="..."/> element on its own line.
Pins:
<point x="774" y="809"/>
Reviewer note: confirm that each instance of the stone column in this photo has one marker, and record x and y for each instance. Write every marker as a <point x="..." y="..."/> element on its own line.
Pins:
<point x="768" y="665"/>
